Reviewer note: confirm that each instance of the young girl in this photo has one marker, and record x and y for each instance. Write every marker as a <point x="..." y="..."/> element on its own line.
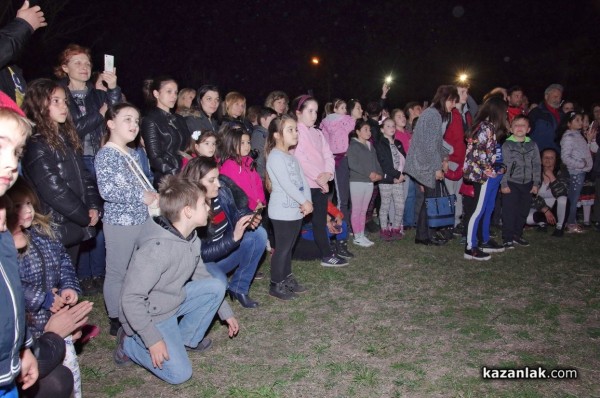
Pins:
<point x="120" y="179"/>
<point x="239" y="166"/>
<point x="202" y="143"/>
<point x="576" y="155"/>
<point x="364" y="172"/>
<point x="318" y="166"/>
<point x="52" y="163"/>
<point x="290" y="203"/>
<point x="47" y="274"/>
<point x="336" y="127"/>
<point x="391" y="156"/>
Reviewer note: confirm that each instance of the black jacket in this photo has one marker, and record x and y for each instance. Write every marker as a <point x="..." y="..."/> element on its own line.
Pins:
<point x="165" y="134"/>
<point x="66" y="189"/>
<point x="92" y="123"/>
<point x="386" y="161"/>
<point x="13" y="38"/>
<point x="198" y="121"/>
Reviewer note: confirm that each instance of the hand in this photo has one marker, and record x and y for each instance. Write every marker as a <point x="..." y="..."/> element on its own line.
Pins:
<point x="240" y="227"/>
<point x="505" y="190"/>
<point x="149" y="198"/>
<point x="549" y="217"/>
<point x="439" y="175"/>
<point x="233" y="326"/>
<point x="374" y="177"/>
<point x="110" y="78"/>
<point x="384" y="90"/>
<point x="256" y="222"/>
<point x="159" y="354"/>
<point x="68" y="319"/>
<point x="69" y="296"/>
<point x="32" y="15"/>
<point x="29" y="369"/>
<point x="58" y="302"/>
<point x="94" y="217"/>
<point x="445" y="166"/>
<point x="323" y="179"/>
<point x="103" y="109"/>
<point x="534" y="190"/>
<point x="306" y="208"/>
<point x="331" y="227"/>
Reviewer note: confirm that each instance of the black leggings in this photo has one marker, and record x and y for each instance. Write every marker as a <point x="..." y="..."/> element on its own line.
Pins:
<point x="286" y="234"/>
<point x="319" y="221"/>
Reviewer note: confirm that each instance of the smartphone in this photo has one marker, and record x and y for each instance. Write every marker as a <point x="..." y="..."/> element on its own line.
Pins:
<point x="109" y="63"/>
<point x="255" y="214"/>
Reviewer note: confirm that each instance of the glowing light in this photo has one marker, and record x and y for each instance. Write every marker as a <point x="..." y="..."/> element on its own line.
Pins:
<point x="315" y="60"/>
<point x="389" y="79"/>
<point x="463" y="77"/>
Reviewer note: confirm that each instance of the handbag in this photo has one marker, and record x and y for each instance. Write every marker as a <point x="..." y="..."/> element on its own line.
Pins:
<point x="441" y="208"/>
<point x="153" y="209"/>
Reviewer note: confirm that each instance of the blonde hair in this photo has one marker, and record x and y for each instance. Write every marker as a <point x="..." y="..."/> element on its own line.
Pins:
<point x="24" y="125"/>
<point x="230" y="99"/>
<point x="41" y="222"/>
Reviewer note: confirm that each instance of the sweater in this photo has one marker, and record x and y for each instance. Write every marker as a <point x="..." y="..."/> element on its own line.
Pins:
<point x="162" y="262"/>
<point x="426" y="148"/>
<point x="575" y="152"/>
<point x="362" y="161"/>
<point x="336" y="129"/>
<point x="247" y="179"/>
<point x="289" y="186"/>
<point x="314" y="154"/>
<point x="522" y="161"/>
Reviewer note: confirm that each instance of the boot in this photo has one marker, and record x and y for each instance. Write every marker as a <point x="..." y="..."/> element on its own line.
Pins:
<point x="281" y="291"/>
<point x="342" y="249"/>
<point x="293" y="285"/>
<point x="333" y="247"/>
<point x="115" y="324"/>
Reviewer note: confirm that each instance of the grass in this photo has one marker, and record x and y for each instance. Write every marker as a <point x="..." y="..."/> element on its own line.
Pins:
<point x="401" y="320"/>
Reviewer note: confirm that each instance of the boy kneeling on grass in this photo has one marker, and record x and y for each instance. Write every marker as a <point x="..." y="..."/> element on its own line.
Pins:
<point x="169" y="299"/>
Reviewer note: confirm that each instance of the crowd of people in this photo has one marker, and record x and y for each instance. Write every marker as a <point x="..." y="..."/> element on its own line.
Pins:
<point x="162" y="211"/>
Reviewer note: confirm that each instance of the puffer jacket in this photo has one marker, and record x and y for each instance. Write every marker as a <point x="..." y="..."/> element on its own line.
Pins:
<point x="165" y="134"/>
<point x="575" y="152"/>
<point x="522" y="161"/>
<point x="44" y="266"/>
<point x="66" y="189"/>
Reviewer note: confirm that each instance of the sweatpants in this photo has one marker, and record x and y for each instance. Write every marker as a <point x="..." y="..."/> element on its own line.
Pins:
<point x="360" y="194"/>
<point x="286" y="234"/>
<point x="485" y="198"/>
<point x="515" y="208"/>
<point x="392" y="205"/>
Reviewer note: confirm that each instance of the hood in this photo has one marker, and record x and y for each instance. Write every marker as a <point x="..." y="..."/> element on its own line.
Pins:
<point x="161" y="228"/>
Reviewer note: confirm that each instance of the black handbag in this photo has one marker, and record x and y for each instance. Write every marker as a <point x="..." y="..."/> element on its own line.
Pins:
<point x="441" y="208"/>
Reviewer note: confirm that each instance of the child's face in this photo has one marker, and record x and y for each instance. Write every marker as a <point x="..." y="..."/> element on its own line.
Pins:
<point x="279" y="106"/>
<point x="12" y="141"/>
<point x="207" y="148"/>
<point x="265" y="121"/>
<point x="400" y="120"/>
<point x="308" y="116"/>
<point x="211" y="183"/>
<point x="289" y="135"/>
<point x="57" y="107"/>
<point x="166" y="97"/>
<point x="23" y="208"/>
<point x="245" y="146"/>
<point x="576" y="123"/>
<point x="389" y="128"/>
<point x="341" y="109"/>
<point x="519" y="128"/>
<point x="199" y="215"/>
<point x="364" y="133"/>
<point x="237" y="108"/>
<point x="125" y="126"/>
<point x="357" y="111"/>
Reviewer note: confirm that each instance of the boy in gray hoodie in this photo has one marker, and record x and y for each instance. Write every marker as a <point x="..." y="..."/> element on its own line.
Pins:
<point x="167" y="281"/>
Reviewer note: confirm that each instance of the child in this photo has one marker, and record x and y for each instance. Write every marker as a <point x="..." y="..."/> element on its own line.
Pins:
<point x="318" y="166"/>
<point x="122" y="185"/>
<point x="237" y="164"/>
<point x="259" y="138"/>
<point x="391" y="156"/>
<point x="576" y="155"/>
<point x="290" y="203"/>
<point x="202" y="143"/>
<point x="522" y="179"/>
<point x="364" y="172"/>
<point x="167" y="308"/>
<point x="47" y="274"/>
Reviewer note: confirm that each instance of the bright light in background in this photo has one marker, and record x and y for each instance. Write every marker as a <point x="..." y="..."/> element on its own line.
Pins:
<point x="388" y="79"/>
<point x="315" y="60"/>
<point x="463" y="77"/>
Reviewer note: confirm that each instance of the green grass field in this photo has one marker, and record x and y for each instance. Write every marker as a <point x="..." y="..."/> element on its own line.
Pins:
<point x="400" y="321"/>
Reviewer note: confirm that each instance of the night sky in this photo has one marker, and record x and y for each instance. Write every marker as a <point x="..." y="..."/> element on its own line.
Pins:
<point x="258" y="46"/>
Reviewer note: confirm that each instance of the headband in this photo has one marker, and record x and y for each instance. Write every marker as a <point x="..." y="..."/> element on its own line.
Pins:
<point x="302" y="100"/>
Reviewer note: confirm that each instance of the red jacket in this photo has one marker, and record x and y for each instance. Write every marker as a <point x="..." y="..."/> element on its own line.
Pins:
<point x="455" y="136"/>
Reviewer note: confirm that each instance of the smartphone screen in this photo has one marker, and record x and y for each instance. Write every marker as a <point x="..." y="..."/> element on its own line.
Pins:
<point x="109" y="63"/>
<point x="255" y="213"/>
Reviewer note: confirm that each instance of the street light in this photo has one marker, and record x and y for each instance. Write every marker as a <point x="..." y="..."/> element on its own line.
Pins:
<point x="463" y="77"/>
<point x="315" y="60"/>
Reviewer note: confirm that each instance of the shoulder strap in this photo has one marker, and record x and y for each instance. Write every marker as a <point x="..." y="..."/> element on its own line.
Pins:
<point x="135" y="168"/>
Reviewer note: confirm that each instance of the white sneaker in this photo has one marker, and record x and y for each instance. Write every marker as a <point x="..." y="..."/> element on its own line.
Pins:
<point x="370" y="242"/>
<point x="360" y="241"/>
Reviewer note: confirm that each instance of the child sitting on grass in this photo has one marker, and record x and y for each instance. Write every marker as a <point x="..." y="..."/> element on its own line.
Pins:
<point x="169" y="299"/>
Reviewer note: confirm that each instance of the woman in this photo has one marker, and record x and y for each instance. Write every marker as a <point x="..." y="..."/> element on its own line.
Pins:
<point x="427" y="159"/>
<point x="231" y="243"/>
<point x="185" y="99"/>
<point x="278" y="101"/>
<point x="234" y="111"/>
<point x="206" y="118"/>
<point x="165" y="134"/>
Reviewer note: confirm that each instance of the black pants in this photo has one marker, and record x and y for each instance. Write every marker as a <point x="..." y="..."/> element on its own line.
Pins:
<point x="319" y="221"/>
<point x="286" y="234"/>
<point x="515" y="209"/>
<point x="423" y="231"/>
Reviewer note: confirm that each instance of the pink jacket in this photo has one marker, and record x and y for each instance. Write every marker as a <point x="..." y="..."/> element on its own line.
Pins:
<point x="336" y="129"/>
<point x="313" y="153"/>
<point x="248" y="180"/>
<point x="404" y="137"/>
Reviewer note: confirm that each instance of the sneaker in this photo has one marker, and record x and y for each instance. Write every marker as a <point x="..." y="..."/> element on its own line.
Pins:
<point x="88" y="288"/>
<point x="333" y="261"/>
<point x="458" y="230"/>
<point x="369" y="241"/>
<point x="292" y="284"/>
<point x="587" y="225"/>
<point x="88" y="332"/>
<point x="521" y="241"/>
<point x="259" y="276"/>
<point x="508" y="245"/>
<point x="385" y="235"/>
<point x="342" y="250"/>
<point x="397" y="234"/>
<point x="558" y="233"/>
<point x="204" y="345"/>
<point x="281" y="291"/>
<point x="362" y="241"/>
<point x="574" y="229"/>
<point x="542" y="228"/>
<point x="119" y="356"/>
<point x="476" y="254"/>
<point x="491" y="247"/>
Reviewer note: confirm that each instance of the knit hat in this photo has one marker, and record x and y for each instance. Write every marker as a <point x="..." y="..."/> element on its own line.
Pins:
<point x="8" y="103"/>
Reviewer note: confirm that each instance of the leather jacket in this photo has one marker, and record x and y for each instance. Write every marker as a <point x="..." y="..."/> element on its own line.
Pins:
<point x="165" y="134"/>
<point x="66" y="189"/>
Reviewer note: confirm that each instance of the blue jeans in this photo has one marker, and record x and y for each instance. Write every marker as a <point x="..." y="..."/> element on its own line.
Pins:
<point x="244" y="260"/>
<point x="9" y="391"/>
<point x="409" y="218"/>
<point x="203" y="299"/>
<point x="575" y="184"/>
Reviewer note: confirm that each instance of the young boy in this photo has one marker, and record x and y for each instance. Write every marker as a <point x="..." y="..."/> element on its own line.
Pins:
<point x="521" y="180"/>
<point x="259" y="138"/>
<point x="166" y="281"/>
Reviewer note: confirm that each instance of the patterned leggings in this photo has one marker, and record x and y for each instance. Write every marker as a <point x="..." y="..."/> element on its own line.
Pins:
<point x="392" y="205"/>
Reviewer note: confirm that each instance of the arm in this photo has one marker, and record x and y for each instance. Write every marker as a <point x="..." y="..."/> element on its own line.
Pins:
<point x="32" y="290"/>
<point x="68" y="276"/>
<point x="111" y="173"/>
<point x="537" y="166"/>
<point x="328" y="156"/>
<point x="155" y="148"/>
<point x="508" y="160"/>
<point x="567" y="153"/>
<point x="13" y="38"/>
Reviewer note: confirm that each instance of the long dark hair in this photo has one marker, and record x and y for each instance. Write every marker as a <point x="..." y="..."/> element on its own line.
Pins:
<point x="198" y="167"/>
<point x="564" y="124"/>
<point x="360" y="123"/>
<point x="444" y="93"/>
<point x="230" y="144"/>
<point x="494" y="111"/>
